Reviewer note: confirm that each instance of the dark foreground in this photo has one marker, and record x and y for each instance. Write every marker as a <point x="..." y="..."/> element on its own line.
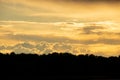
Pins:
<point x="60" y="66"/>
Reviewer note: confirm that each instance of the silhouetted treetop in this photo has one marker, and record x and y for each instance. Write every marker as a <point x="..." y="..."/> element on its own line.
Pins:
<point x="58" y="64"/>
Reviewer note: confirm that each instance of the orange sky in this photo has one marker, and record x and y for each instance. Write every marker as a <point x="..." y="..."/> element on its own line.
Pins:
<point x="76" y="26"/>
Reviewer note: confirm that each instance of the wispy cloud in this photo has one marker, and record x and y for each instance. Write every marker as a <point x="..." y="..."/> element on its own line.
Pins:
<point x="59" y="10"/>
<point x="63" y="32"/>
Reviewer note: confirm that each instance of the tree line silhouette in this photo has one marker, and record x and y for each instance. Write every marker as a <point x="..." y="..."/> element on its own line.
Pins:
<point x="58" y="64"/>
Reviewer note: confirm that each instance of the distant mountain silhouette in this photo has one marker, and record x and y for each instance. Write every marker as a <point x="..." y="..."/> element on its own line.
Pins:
<point x="56" y="64"/>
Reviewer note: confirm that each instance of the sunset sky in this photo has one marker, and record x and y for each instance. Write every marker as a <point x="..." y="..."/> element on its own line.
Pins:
<point x="75" y="26"/>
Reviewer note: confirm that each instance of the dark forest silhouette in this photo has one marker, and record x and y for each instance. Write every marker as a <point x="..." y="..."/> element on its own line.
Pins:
<point x="59" y="64"/>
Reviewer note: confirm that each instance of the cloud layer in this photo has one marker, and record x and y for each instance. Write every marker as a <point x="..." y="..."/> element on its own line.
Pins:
<point x="76" y="26"/>
<point x="100" y="38"/>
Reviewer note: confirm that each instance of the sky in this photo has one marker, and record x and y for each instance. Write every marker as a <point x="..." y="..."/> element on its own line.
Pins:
<point x="46" y="26"/>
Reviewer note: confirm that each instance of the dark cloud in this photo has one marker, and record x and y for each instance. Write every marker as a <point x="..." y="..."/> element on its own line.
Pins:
<point x="96" y="29"/>
<point x="90" y="29"/>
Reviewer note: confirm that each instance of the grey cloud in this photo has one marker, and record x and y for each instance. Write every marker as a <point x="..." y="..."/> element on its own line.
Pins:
<point x="17" y="48"/>
<point x="45" y="47"/>
<point x="91" y="29"/>
<point x="9" y="47"/>
<point x="20" y="45"/>
<point x="47" y="51"/>
<point x="26" y="45"/>
<point x="95" y="29"/>
<point x="84" y="50"/>
<point x="22" y="50"/>
<point x="42" y="46"/>
<point x="62" y="46"/>
<point x="98" y="31"/>
<point x="2" y="47"/>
